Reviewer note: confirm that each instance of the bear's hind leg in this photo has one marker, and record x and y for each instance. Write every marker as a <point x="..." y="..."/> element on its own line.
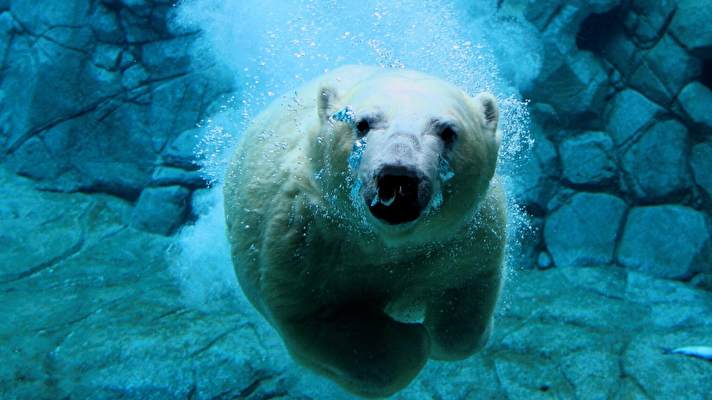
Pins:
<point x="361" y="348"/>
<point x="459" y="321"/>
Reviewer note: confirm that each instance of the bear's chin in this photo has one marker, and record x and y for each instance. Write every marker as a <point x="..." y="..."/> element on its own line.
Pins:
<point x="392" y="231"/>
<point x="395" y="234"/>
<point x="395" y="215"/>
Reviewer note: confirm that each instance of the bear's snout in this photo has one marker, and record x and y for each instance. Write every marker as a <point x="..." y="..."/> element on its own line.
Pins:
<point x="401" y="195"/>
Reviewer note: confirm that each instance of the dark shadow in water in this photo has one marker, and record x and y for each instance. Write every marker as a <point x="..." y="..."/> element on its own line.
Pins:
<point x="706" y="77"/>
<point x="597" y="30"/>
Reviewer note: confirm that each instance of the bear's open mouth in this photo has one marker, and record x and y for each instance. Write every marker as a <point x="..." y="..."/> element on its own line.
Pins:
<point x="400" y="197"/>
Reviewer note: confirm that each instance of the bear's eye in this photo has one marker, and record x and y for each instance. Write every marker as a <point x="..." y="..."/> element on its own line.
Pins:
<point x="448" y="135"/>
<point x="363" y="127"/>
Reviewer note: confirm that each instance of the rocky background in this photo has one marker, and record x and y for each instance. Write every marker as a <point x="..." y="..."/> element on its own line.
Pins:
<point x="99" y="101"/>
<point x="102" y="97"/>
<point x="622" y="119"/>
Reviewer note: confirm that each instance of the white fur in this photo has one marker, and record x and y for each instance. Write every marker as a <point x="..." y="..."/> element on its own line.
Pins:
<point x="303" y="246"/>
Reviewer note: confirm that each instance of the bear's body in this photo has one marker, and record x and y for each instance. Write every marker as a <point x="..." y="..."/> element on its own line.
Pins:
<point x="328" y="245"/>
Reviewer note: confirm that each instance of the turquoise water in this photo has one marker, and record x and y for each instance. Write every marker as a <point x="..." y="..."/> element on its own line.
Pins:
<point x="118" y="119"/>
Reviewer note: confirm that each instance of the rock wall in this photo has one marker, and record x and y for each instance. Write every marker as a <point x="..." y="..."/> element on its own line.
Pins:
<point x="100" y="96"/>
<point x="622" y="118"/>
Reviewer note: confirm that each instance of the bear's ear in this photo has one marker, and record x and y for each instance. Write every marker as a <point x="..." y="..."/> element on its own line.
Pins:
<point x="486" y="104"/>
<point x="326" y="103"/>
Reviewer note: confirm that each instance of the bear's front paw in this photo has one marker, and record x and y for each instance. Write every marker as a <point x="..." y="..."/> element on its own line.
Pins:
<point x="368" y="354"/>
<point x="454" y="344"/>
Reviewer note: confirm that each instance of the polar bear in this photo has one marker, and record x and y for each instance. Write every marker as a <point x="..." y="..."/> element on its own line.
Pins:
<point x="367" y="224"/>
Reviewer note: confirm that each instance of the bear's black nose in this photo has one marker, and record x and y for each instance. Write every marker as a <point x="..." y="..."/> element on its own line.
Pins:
<point x="402" y="193"/>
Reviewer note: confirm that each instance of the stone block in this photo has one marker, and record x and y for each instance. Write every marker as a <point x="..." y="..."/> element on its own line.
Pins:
<point x="701" y="164"/>
<point x="667" y="241"/>
<point x="588" y="159"/>
<point x="672" y="64"/>
<point x="161" y="210"/>
<point x="647" y="20"/>
<point x="655" y="166"/>
<point x="535" y="182"/>
<point x="695" y="99"/>
<point x="628" y="113"/>
<point x="583" y="231"/>
<point x="169" y="176"/>
<point x="180" y="152"/>
<point x="692" y="26"/>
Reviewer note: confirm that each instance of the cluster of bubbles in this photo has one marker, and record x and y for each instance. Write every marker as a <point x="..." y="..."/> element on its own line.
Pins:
<point x="274" y="46"/>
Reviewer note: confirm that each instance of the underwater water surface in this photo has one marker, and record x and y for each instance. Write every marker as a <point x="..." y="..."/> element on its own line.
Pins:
<point x="118" y="120"/>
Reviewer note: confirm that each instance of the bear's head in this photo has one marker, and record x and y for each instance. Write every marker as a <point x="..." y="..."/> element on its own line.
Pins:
<point x="416" y="150"/>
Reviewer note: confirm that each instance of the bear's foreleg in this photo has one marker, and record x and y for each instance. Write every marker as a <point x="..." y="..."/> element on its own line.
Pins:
<point x="459" y="321"/>
<point x="359" y="347"/>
